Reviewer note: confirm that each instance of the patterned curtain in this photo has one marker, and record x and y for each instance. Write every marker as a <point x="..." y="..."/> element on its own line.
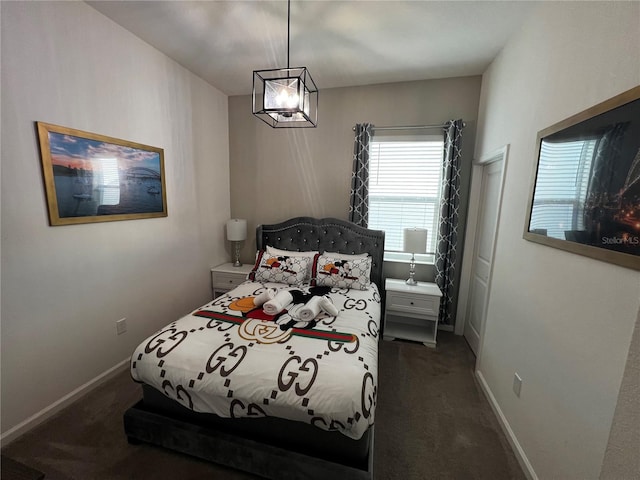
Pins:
<point x="448" y="230"/>
<point x="359" y="203"/>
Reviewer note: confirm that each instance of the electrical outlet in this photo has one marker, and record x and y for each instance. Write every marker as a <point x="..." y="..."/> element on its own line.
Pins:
<point x="517" y="384"/>
<point x="121" y="326"/>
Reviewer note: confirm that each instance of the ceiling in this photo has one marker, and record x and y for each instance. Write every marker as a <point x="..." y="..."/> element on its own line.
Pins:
<point x="342" y="43"/>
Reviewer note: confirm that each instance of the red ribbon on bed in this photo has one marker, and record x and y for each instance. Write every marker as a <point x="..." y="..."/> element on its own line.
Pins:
<point x="300" y="332"/>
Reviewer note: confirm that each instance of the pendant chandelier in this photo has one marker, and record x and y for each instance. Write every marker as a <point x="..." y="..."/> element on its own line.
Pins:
<point x="285" y="97"/>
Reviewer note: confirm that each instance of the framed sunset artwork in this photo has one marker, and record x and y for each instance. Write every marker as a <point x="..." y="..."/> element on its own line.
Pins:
<point x="94" y="178"/>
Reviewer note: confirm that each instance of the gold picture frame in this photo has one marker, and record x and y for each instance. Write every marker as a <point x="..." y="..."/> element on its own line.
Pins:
<point x="585" y="196"/>
<point x="92" y="178"/>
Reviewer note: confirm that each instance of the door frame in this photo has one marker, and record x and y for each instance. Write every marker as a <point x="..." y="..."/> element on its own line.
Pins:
<point x="475" y="193"/>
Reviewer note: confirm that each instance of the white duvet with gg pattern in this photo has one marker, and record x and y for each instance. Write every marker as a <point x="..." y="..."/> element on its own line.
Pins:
<point x="230" y="358"/>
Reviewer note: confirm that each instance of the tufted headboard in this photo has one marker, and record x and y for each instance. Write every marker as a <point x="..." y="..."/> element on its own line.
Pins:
<point x="325" y="234"/>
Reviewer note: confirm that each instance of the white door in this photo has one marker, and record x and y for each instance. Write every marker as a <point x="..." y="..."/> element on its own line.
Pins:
<point x="486" y="230"/>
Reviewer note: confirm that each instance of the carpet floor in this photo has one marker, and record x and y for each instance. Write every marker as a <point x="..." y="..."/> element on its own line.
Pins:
<point x="432" y="422"/>
<point x="12" y="470"/>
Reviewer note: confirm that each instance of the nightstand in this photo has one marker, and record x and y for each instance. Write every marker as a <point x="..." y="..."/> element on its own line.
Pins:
<point x="225" y="277"/>
<point x="411" y="311"/>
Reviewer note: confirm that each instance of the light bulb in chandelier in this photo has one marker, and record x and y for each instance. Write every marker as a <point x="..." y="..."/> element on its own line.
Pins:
<point x="286" y="99"/>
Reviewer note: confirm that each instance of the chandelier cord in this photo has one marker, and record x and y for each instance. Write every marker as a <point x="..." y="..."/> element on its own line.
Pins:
<point x="288" y="28"/>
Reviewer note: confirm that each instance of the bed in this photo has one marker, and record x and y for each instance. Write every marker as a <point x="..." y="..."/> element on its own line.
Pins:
<point x="290" y="400"/>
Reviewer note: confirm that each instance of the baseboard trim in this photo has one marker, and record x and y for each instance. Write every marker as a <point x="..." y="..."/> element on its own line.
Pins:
<point x="506" y="428"/>
<point x="47" y="412"/>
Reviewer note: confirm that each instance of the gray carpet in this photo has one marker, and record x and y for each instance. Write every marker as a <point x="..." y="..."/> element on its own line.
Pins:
<point x="432" y="421"/>
<point x="12" y="470"/>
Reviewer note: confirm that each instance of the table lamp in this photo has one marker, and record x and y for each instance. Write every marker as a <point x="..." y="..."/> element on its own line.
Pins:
<point x="415" y="241"/>
<point x="236" y="233"/>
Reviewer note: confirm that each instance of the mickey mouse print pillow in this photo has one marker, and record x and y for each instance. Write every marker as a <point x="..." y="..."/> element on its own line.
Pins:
<point x="335" y="270"/>
<point x="289" y="269"/>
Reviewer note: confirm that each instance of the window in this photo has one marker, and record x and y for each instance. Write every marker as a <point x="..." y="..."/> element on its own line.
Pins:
<point x="405" y="174"/>
<point x="561" y="189"/>
<point x="107" y="177"/>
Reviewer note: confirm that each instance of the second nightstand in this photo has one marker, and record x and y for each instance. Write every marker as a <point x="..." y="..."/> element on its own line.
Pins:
<point x="226" y="277"/>
<point x="411" y="311"/>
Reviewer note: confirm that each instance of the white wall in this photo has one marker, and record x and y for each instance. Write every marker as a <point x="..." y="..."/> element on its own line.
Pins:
<point x="63" y="288"/>
<point x="622" y="457"/>
<point x="562" y="321"/>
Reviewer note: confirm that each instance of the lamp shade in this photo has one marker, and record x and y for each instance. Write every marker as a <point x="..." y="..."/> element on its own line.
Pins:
<point x="415" y="240"/>
<point x="236" y="230"/>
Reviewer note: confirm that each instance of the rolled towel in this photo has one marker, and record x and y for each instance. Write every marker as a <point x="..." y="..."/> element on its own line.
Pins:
<point x="265" y="296"/>
<point x="310" y="310"/>
<point x="278" y="303"/>
<point x="327" y="306"/>
<point x="294" y="309"/>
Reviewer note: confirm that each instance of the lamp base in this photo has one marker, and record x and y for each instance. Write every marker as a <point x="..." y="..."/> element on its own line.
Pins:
<point x="412" y="271"/>
<point x="237" y="263"/>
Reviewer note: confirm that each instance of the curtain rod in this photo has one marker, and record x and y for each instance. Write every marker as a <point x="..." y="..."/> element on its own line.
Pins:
<point x="412" y="127"/>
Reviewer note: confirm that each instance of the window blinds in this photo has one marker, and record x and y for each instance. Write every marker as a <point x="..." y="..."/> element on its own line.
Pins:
<point x="563" y="178"/>
<point x="404" y="187"/>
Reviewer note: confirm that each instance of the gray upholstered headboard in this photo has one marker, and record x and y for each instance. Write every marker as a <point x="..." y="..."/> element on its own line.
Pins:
<point x="325" y="234"/>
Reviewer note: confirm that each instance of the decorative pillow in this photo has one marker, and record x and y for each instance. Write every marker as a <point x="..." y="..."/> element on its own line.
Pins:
<point x="280" y="268"/>
<point x="294" y="253"/>
<point x="345" y="256"/>
<point x="291" y="253"/>
<point x="337" y="271"/>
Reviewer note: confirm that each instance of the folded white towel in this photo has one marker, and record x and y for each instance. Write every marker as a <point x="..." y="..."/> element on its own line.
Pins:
<point x="327" y="306"/>
<point x="312" y="308"/>
<point x="294" y="309"/>
<point x="278" y="303"/>
<point x="265" y="296"/>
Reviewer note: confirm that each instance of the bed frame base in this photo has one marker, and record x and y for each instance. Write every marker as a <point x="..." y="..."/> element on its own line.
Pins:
<point x="268" y="461"/>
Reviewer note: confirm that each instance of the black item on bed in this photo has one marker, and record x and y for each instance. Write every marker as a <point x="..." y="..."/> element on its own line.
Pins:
<point x="298" y="450"/>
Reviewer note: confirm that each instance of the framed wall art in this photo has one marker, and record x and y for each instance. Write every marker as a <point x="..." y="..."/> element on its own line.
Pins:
<point x="585" y="197"/>
<point x="93" y="178"/>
